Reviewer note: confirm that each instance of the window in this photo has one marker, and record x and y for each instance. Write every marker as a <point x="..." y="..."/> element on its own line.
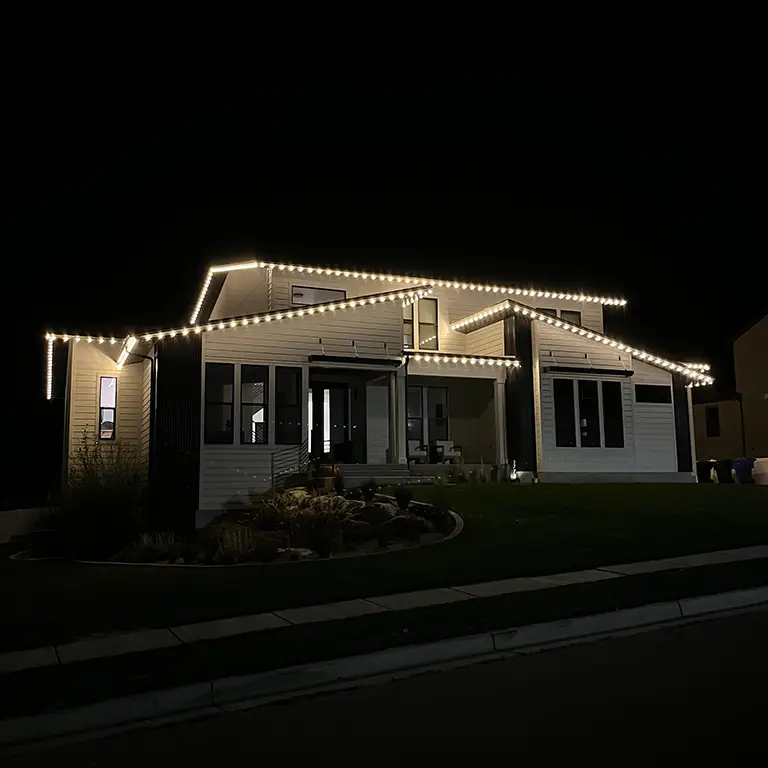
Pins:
<point x="437" y="411"/>
<point x="287" y="406"/>
<point x="427" y="323"/>
<point x="415" y="415"/>
<point x="219" y="402"/>
<point x="589" y="414"/>
<point x="653" y="393"/>
<point x="565" y="414"/>
<point x="600" y="414"/>
<point x="613" y="414"/>
<point x="571" y="316"/>
<point x="301" y="294"/>
<point x="107" y="407"/>
<point x="548" y="311"/>
<point x="408" y="327"/>
<point x="253" y="404"/>
<point x="712" y="419"/>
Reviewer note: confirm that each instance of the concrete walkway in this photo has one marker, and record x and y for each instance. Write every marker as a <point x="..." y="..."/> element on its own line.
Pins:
<point x="148" y="639"/>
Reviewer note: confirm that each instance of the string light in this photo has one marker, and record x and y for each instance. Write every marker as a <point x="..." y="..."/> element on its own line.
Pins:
<point x="128" y="345"/>
<point x="495" y="313"/>
<point x="49" y="367"/>
<point x="450" y="357"/>
<point x="238" y="267"/>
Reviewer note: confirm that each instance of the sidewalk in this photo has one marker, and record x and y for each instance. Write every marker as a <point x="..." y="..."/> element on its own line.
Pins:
<point x="137" y="642"/>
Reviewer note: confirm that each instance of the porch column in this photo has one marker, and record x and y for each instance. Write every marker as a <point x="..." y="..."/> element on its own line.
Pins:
<point x="392" y="453"/>
<point x="499" y="402"/>
<point x="682" y="424"/>
<point x="401" y="454"/>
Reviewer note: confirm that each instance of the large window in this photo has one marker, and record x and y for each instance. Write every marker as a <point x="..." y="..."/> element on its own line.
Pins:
<point x="415" y="415"/>
<point x="219" y="402"/>
<point x="301" y="295"/>
<point x="595" y="407"/>
<point x="288" y="406"/>
<point x="253" y="404"/>
<point x="712" y="421"/>
<point x="107" y="407"/>
<point x="408" y="327"/>
<point x="427" y="323"/>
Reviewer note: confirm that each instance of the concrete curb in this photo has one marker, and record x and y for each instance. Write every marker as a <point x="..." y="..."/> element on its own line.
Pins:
<point x="220" y="694"/>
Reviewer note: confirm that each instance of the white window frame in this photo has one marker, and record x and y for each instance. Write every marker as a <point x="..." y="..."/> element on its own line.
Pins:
<point x="416" y="325"/>
<point x="99" y="376"/>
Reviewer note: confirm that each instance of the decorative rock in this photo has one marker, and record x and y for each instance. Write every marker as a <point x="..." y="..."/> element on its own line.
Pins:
<point x="356" y="530"/>
<point x="404" y="527"/>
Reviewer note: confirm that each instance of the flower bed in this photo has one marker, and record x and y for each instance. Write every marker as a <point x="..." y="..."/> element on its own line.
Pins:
<point x="299" y="524"/>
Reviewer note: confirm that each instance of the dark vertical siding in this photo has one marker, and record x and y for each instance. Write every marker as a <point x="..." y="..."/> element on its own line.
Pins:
<point x="521" y="424"/>
<point x="682" y="424"/>
<point x="176" y="473"/>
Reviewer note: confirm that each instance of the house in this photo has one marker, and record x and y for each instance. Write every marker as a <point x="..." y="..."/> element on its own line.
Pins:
<point x="738" y="426"/>
<point x="280" y="362"/>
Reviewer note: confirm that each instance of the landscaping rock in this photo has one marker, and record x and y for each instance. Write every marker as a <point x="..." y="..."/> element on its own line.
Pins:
<point x="351" y="506"/>
<point x="407" y="527"/>
<point x="376" y="514"/>
<point x="356" y="530"/>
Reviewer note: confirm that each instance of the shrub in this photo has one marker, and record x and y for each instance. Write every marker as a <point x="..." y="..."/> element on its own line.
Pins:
<point x="100" y="510"/>
<point x="369" y="490"/>
<point x="403" y="497"/>
<point x="237" y="544"/>
<point x="338" y="483"/>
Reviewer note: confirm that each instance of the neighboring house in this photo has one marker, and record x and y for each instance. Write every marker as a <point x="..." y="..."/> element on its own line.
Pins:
<point x="376" y="371"/>
<point x="738" y="426"/>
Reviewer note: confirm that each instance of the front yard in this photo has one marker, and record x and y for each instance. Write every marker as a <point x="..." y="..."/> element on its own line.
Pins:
<point x="509" y="531"/>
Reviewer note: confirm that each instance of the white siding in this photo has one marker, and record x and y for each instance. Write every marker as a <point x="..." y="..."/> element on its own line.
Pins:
<point x="144" y="424"/>
<point x="244" y="293"/>
<point x="649" y="428"/>
<point x="486" y="341"/>
<point x="655" y="446"/>
<point x="291" y="341"/>
<point x="228" y="473"/>
<point x="89" y="362"/>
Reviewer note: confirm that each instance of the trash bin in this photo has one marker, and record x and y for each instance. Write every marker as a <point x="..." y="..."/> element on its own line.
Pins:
<point x="743" y="467"/>
<point x="723" y="469"/>
<point x="703" y="471"/>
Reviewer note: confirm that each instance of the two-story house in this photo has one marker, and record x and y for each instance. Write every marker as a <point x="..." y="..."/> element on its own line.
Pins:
<point x="278" y="362"/>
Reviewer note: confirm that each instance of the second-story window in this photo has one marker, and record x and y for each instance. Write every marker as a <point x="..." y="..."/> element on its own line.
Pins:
<point x="427" y="311"/>
<point x="567" y="315"/>
<point x="408" y="327"/>
<point x="253" y="404"/>
<point x="303" y="294"/>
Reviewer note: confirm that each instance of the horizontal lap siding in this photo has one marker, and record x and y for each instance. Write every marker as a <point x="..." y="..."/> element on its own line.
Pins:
<point x="487" y="341"/>
<point x="144" y="425"/>
<point x="244" y="293"/>
<point x="655" y="446"/>
<point x="88" y="364"/>
<point x="558" y="347"/>
<point x="229" y="473"/>
<point x="293" y="340"/>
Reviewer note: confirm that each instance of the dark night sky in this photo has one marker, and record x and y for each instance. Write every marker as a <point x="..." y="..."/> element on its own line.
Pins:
<point x="619" y="175"/>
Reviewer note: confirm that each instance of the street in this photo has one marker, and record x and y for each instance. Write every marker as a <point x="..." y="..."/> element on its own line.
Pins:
<point x="698" y="689"/>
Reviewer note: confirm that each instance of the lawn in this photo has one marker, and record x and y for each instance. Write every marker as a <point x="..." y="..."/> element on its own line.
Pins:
<point x="509" y="531"/>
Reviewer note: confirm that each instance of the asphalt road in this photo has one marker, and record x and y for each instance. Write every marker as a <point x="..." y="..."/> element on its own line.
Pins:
<point x="700" y="689"/>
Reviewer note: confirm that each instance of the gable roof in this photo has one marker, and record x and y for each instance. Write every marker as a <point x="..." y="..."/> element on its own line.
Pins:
<point x="496" y="312"/>
<point x="403" y="279"/>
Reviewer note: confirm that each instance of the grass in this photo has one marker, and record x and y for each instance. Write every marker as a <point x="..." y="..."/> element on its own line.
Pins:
<point x="509" y="531"/>
<point x="50" y="688"/>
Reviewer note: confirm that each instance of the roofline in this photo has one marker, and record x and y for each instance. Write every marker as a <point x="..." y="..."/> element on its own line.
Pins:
<point x="407" y="279"/>
<point x="509" y="307"/>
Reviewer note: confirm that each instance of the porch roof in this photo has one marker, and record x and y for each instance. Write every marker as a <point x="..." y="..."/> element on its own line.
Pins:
<point x="496" y="312"/>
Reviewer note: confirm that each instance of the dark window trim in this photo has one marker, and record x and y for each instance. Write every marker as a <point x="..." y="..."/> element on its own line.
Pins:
<point x="574" y="382"/>
<point x="103" y="408"/>
<point x="230" y="405"/>
<point x="296" y="405"/>
<point x="317" y="288"/>
<point x="660" y="394"/>
<point x="264" y="404"/>
<point x="435" y="326"/>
